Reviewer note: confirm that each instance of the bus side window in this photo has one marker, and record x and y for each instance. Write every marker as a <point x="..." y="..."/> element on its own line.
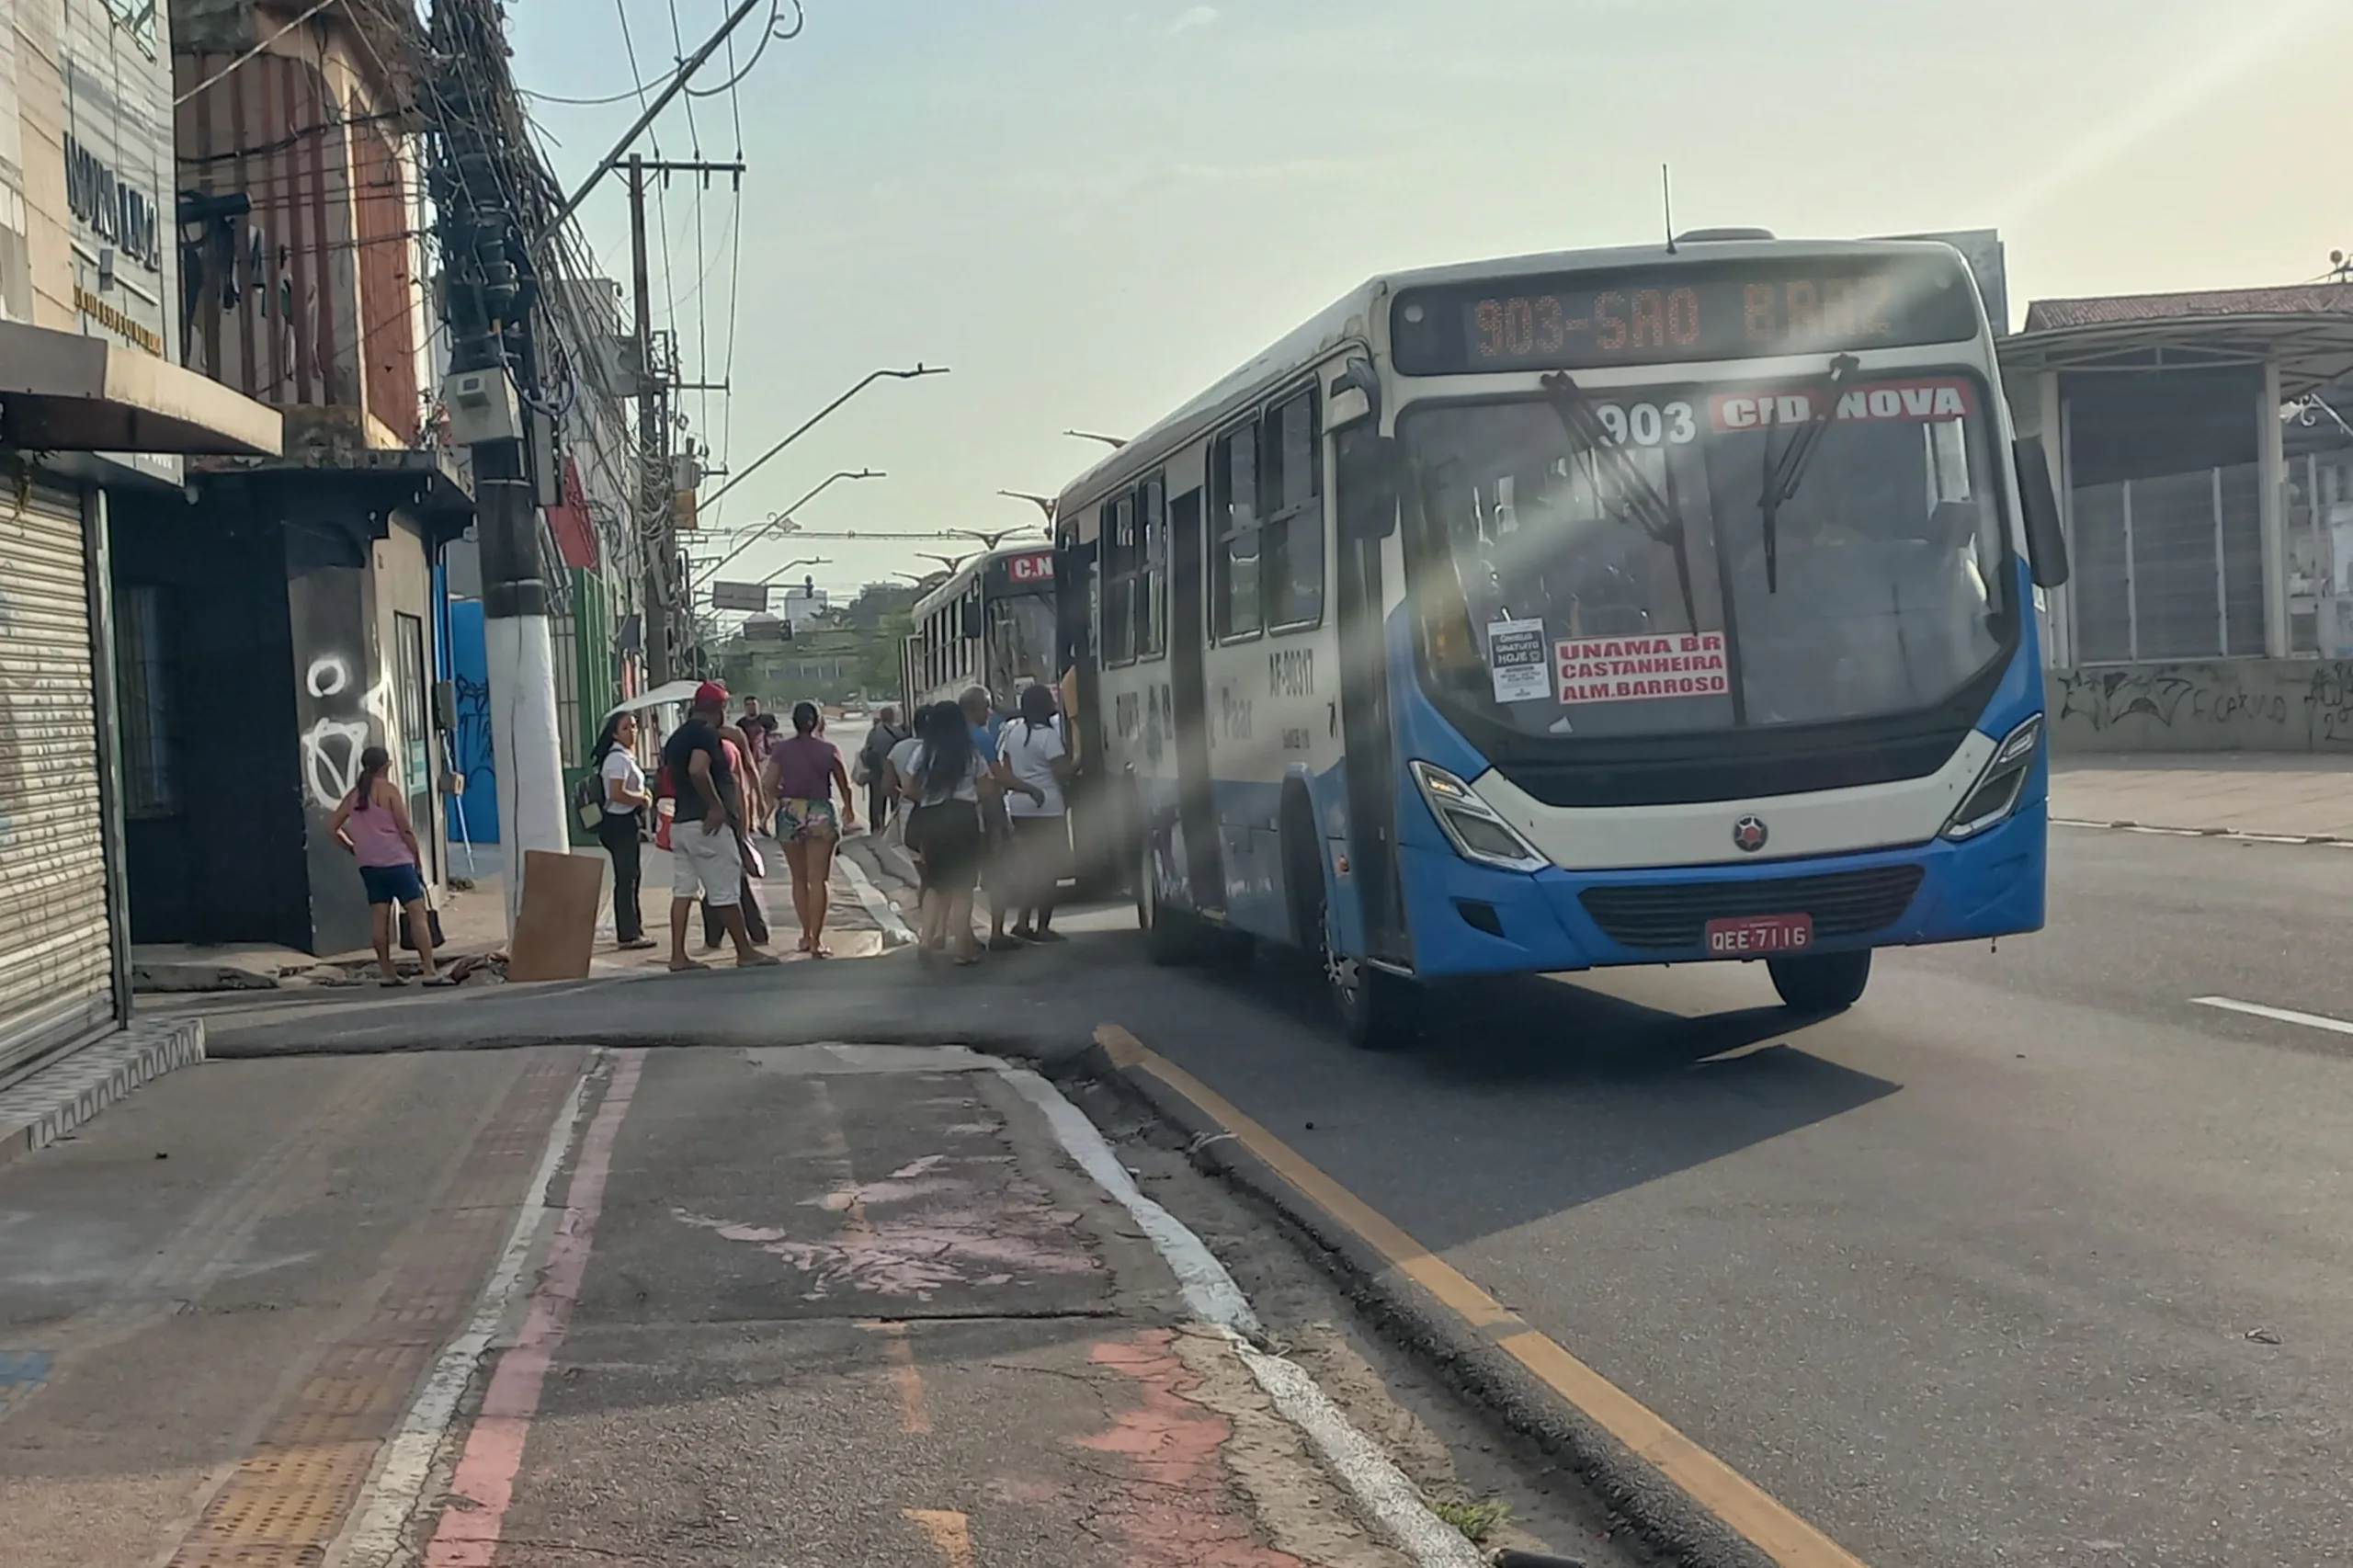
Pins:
<point x="1294" y="569"/>
<point x="1152" y="570"/>
<point x="1233" y="544"/>
<point x="1118" y="524"/>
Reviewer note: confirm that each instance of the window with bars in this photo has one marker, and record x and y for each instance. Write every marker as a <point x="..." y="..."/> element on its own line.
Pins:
<point x="2169" y="567"/>
<point x="144" y="680"/>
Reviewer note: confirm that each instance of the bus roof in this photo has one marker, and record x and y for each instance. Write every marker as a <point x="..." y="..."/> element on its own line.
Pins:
<point x="961" y="579"/>
<point x="1348" y="319"/>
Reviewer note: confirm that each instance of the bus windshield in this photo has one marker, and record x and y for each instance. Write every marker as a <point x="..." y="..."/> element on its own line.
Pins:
<point x="1608" y="565"/>
<point x="1022" y="643"/>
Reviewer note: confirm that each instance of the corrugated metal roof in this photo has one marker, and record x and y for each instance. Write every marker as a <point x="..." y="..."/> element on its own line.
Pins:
<point x="2301" y="298"/>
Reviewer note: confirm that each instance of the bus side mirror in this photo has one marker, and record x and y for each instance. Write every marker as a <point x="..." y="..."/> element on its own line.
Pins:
<point x="2046" y="538"/>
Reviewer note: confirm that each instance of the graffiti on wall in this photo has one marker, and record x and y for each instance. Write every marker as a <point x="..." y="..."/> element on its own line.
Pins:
<point x="474" y="815"/>
<point x="2250" y="705"/>
<point x="333" y="744"/>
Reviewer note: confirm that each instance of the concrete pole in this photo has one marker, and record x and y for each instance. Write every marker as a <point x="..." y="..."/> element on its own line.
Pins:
<point x="654" y="447"/>
<point x="2271" y="512"/>
<point x="519" y="657"/>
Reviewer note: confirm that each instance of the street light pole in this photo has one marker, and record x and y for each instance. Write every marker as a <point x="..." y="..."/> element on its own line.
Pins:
<point x="921" y="369"/>
<point x="782" y="520"/>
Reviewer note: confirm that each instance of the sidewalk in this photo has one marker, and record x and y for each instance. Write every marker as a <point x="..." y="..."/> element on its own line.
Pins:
<point x="473" y="923"/>
<point x="2270" y="794"/>
<point x="855" y="1304"/>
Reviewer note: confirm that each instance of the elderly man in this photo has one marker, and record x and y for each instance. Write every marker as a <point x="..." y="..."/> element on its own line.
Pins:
<point x="706" y="833"/>
<point x="874" y="760"/>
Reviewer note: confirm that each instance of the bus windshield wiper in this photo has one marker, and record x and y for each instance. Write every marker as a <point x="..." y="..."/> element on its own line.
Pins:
<point x="1657" y="515"/>
<point x="1784" y="474"/>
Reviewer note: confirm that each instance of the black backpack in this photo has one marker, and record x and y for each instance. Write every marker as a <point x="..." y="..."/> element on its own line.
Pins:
<point x="588" y="800"/>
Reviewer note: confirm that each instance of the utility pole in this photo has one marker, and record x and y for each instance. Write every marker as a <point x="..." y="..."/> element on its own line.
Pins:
<point x="655" y="505"/>
<point x="657" y="494"/>
<point x="480" y="169"/>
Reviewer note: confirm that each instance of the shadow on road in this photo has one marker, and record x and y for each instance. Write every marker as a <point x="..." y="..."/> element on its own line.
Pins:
<point x="1527" y="1097"/>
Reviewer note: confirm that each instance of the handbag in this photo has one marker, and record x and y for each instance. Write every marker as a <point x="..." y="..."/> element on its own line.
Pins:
<point x="432" y="923"/>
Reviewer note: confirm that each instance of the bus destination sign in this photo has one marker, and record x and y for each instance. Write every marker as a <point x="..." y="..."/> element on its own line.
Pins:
<point x="1681" y="312"/>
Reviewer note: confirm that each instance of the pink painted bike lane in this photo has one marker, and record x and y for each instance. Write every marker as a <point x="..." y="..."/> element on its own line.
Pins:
<point x="855" y="1305"/>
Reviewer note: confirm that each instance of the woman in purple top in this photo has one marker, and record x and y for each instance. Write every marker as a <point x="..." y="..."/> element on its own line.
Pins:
<point x="372" y="823"/>
<point x="803" y="772"/>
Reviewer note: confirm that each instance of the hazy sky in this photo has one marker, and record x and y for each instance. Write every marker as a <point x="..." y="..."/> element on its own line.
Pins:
<point x="1091" y="209"/>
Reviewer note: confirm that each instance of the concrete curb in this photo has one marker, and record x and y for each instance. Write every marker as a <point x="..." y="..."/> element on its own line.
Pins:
<point x="60" y="1096"/>
<point x="2237" y="834"/>
<point x="886" y="914"/>
<point x="1655" y="1509"/>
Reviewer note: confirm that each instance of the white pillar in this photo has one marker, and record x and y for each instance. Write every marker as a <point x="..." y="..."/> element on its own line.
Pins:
<point x="520" y="657"/>
<point x="2271" y="512"/>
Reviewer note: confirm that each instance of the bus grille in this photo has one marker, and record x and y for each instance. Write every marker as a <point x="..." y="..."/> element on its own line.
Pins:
<point x="1675" y="914"/>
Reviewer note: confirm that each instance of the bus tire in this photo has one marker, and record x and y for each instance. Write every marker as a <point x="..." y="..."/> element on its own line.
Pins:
<point x="1820" y="982"/>
<point x="1378" y="1011"/>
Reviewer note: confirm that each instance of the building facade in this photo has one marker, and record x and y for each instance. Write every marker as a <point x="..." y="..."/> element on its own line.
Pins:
<point x="286" y="605"/>
<point x="95" y="421"/>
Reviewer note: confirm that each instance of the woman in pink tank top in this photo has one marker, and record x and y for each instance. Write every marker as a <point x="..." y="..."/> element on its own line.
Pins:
<point x="373" y="824"/>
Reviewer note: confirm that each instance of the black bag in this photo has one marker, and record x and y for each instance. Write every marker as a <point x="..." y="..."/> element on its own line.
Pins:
<point x="588" y="801"/>
<point x="432" y="923"/>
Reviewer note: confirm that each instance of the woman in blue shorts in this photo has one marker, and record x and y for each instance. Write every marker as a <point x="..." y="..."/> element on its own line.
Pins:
<point x="372" y="823"/>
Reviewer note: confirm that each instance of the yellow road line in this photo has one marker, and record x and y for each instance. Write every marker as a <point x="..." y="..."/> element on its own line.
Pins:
<point x="913" y="1416"/>
<point x="950" y="1533"/>
<point x="1745" y="1509"/>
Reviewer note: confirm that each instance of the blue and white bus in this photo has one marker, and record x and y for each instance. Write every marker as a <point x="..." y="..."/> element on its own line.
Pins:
<point x="1637" y="606"/>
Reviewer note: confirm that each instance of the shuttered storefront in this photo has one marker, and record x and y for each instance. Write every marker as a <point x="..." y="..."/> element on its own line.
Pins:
<point x="56" y="951"/>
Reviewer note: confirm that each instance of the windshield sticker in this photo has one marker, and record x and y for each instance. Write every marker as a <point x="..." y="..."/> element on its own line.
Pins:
<point x="1640" y="669"/>
<point x="1516" y="657"/>
<point x="1901" y="402"/>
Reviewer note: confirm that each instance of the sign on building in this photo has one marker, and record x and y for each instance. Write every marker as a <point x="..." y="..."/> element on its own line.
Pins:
<point x="753" y="596"/>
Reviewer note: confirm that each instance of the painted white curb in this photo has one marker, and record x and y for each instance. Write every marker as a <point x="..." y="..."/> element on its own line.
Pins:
<point x="886" y="914"/>
<point x="1369" y="1473"/>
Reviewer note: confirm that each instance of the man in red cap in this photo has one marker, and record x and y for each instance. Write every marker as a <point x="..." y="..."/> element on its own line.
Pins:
<point x="706" y="845"/>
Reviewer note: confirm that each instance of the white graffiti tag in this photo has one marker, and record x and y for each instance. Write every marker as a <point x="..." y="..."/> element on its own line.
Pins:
<point x="328" y="676"/>
<point x="331" y="749"/>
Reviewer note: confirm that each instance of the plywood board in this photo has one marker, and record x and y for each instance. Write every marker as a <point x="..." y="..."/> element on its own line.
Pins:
<point x="555" y="931"/>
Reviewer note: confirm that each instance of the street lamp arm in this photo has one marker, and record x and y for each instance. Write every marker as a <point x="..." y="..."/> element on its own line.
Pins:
<point x="1043" y="503"/>
<point x="782" y="520"/>
<point x="921" y="369"/>
<point x="1112" y="441"/>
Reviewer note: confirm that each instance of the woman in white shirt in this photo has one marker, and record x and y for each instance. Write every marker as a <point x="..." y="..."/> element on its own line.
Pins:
<point x="626" y="801"/>
<point x="948" y="783"/>
<point x="1033" y="765"/>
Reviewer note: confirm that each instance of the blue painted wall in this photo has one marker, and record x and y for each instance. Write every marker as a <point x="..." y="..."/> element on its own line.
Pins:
<point x="474" y="815"/>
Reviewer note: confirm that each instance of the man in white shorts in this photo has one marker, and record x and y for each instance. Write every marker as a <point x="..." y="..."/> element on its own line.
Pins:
<point x="706" y="847"/>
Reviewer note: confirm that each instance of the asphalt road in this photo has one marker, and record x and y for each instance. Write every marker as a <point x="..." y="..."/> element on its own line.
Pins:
<point x="2031" y="1258"/>
<point x="2028" y="1259"/>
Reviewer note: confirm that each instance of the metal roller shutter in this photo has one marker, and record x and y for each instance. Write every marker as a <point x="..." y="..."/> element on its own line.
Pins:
<point x="56" y="953"/>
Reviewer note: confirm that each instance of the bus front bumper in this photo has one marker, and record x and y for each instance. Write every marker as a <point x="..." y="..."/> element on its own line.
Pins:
<point x="1471" y="919"/>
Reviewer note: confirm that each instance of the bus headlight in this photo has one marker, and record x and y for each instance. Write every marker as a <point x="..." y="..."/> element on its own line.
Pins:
<point x="1472" y="825"/>
<point x="1995" y="794"/>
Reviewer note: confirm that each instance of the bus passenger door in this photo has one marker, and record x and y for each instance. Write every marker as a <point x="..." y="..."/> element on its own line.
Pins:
<point x="1188" y="696"/>
<point x="1364" y="696"/>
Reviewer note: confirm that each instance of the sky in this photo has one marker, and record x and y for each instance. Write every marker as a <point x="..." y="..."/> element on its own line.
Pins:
<point x="1090" y="209"/>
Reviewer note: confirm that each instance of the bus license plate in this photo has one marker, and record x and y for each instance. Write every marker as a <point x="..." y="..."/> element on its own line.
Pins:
<point x="1753" y="933"/>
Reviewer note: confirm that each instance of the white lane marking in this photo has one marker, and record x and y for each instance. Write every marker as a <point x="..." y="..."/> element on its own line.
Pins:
<point x="1208" y="1288"/>
<point x="374" y="1540"/>
<point x="886" y="914"/>
<point x="1359" y="1463"/>
<point x="2285" y="1015"/>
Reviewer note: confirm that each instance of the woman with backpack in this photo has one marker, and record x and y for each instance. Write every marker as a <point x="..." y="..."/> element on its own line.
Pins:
<point x="1033" y="767"/>
<point x="372" y="823"/>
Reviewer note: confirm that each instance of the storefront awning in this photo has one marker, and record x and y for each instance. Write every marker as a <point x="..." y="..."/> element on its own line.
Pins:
<point x="63" y="392"/>
<point x="2307" y="330"/>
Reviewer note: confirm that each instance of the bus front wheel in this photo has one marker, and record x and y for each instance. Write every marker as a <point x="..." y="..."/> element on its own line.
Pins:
<point x="1820" y="982"/>
<point x="1379" y="1011"/>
